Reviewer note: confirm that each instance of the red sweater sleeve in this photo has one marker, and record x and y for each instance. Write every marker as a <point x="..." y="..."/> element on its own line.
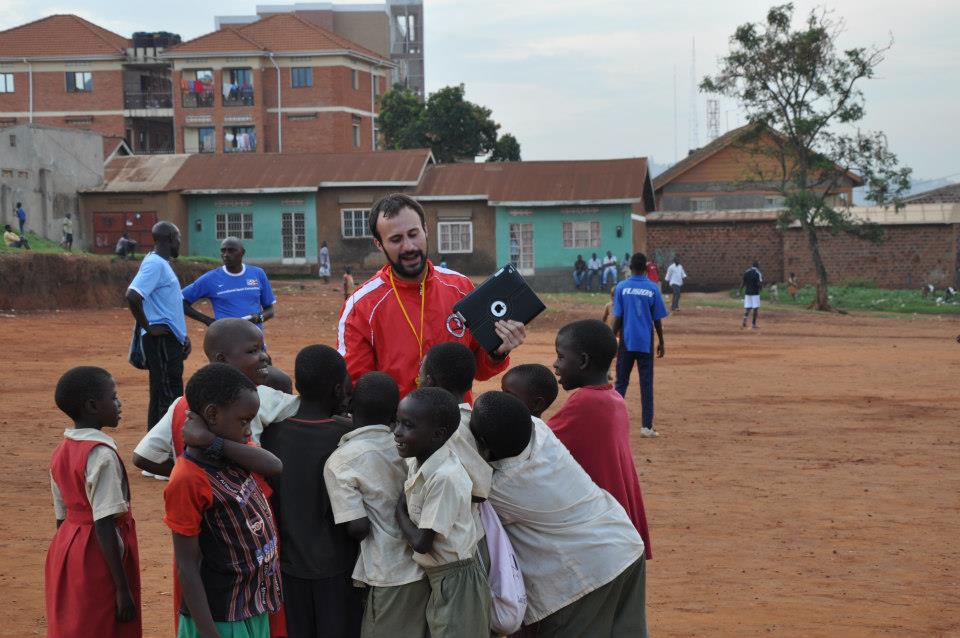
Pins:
<point x="353" y="341"/>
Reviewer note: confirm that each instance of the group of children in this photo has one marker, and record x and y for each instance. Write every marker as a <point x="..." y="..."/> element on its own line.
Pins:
<point x="348" y="510"/>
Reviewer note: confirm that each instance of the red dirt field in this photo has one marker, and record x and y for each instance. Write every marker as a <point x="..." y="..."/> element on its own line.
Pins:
<point x="806" y="481"/>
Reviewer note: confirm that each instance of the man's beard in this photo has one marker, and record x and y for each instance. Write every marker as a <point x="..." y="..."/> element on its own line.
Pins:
<point x="402" y="270"/>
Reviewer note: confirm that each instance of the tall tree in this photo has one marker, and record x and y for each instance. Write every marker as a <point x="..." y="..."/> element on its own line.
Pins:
<point x="802" y="97"/>
<point x="507" y="149"/>
<point x="454" y="128"/>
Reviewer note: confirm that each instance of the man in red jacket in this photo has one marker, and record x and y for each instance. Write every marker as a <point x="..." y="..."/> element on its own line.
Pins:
<point x="396" y="316"/>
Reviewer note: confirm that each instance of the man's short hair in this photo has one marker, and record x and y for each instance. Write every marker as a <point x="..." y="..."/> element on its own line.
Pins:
<point x="77" y="385"/>
<point x="593" y="337"/>
<point x="163" y="229"/>
<point x="375" y="398"/>
<point x="638" y="263"/>
<point x="216" y="384"/>
<point x="539" y="378"/>
<point x="442" y="405"/>
<point x="317" y="370"/>
<point x="452" y="366"/>
<point x="501" y="423"/>
<point x="389" y="206"/>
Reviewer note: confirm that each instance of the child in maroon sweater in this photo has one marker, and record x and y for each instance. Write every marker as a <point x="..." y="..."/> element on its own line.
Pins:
<point x="593" y="424"/>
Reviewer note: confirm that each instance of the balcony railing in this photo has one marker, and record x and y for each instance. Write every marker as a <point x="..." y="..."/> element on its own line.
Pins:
<point x="193" y="100"/>
<point x="239" y="97"/>
<point x="148" y="100"/>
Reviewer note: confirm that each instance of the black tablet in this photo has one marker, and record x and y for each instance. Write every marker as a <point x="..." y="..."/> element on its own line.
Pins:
<point x="505" y="295"/>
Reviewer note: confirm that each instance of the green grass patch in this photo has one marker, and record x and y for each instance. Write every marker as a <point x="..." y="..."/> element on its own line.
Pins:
<point x="862" y="295"/>
<point x="40" y="245"/>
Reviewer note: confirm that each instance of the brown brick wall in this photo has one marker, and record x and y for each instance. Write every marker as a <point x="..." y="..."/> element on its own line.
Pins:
<point x="716" y="254"/>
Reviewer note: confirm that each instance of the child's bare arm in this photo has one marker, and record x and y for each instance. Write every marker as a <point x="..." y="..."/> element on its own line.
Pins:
<point x="421" y="540"/>
<point x="106" y="531"/>
<point x="163" y="469"/>
<point x="249" y="457"/>
<point x="358" y="529"/>
<point x="186" y="549"/>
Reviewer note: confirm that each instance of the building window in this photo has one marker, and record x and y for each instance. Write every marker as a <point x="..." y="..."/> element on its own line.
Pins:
<point x="698" y="204"/>
<point x="207" y="139"/>
<point x="373" y="83"/>
<point x="774" y="201"/>
<point x="293" y="235"/>
<point x="455" y="237"/>
<point x="353" y="223"/>
<point x="581" y="234"/>
<point x="6" y="83"/>
<point x="237" y="87"/>
<point x="301" y="76"/>
<point x="79" y="81"/>
<point x="356" y="131"/>
<point x="196" y="88"/>
<point x="376" y="136"/>
<point x="239" y="139"/>
<point x="239" y="225"/>
<point x="355" y="79"/>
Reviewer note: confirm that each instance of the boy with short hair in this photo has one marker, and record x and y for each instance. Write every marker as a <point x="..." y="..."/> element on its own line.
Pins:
<point x="534" y="384"/>
<point x="318" y="555"/>
<point x="434" y="515"/>
<point x="224" y="538"/>
<point x="581" y="558"/>
<point x="593" y="423"/>
<point x="364" y="478"/>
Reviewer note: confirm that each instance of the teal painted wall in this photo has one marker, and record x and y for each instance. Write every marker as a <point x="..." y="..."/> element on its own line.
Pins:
<point x="548" y="250"/>
<point x="266" y="246"/>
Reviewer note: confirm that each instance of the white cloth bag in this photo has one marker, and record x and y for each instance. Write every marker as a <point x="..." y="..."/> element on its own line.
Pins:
<point x="507" y="592"/>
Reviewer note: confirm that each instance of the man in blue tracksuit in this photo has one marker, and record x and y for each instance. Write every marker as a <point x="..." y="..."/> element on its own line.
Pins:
<point x="638" y="308"/>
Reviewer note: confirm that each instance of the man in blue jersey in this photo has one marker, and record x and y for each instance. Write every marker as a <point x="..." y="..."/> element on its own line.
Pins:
<point x="637" y="309"/>
<point x="237" y="290"/>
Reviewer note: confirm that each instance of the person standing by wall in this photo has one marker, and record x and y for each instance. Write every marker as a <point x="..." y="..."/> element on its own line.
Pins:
<point x="21" y="217"/>
<point x="323" y="258"/>
<point x="67" y="226"/>
<point x="750" y="285"/>
<point x="675" y="276"/>
<point x="156" y="303"/>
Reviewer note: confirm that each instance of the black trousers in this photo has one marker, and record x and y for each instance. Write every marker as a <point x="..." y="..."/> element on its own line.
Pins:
<point x="164" y="356"/>
<point x="322" y="608"/>
<point x="644" y="362"/>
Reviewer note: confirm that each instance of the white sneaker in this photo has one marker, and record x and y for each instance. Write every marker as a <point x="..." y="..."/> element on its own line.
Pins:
<point x="148" y="474"/>
<point x="161" y="477"/>
<point x="649" y="432"/>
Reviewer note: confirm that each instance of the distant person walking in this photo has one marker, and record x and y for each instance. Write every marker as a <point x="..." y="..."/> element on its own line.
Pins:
<point x="653" y="273"/>
<point x="21" y="216"/>
<point x="750" y="285"/>
<point x="67" y="226"/>
<point x="324" y="261"/>
<point x="675" y="276"/>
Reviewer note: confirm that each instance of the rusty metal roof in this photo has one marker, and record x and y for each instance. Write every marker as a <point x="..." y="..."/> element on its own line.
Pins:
<point x="542" y="183"/>
<point x="140" y="174"/>
<point x="273" y="172"/>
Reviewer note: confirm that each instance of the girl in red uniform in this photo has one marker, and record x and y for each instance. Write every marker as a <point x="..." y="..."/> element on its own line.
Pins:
<point x="92" y="573"/>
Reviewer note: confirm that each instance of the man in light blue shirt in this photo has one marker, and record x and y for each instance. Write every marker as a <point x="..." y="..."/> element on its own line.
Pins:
<point x="157" y="305"/>
<point x="237" y="290"/>
<point x="637" y="309"/>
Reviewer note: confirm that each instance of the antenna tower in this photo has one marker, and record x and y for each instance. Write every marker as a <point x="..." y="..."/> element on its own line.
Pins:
<point x="693" y="135"/>
<point x="713" y="118"/>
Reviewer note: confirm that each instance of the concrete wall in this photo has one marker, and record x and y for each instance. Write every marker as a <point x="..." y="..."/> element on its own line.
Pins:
<point x="266" y="245"/>
<point x="43" y="168"/>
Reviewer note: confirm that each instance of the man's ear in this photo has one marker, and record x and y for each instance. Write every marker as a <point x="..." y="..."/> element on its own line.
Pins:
<point x="376" y="242"/>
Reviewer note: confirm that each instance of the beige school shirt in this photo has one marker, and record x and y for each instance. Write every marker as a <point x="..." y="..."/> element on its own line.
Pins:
<point x="157" y="445"/>
<point x="104" y="482"/>
<point x="570" y="537"/>
<point x="464" y="445"/>
<point x="364" y="478"/>
<point x="438" y="498"/>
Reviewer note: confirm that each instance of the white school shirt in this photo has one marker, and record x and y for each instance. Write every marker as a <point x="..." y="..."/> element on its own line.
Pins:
<point x="570" y="537"/>
<point x="464" y="445"/>
<point x="104" y="482"/>
<point x="676" y="274"/>
<point x="438" y="498"/>
<point x="157" y="445"/>
<point x="364" y="478"/>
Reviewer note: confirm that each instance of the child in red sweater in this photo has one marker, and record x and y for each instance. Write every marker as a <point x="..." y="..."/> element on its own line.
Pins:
<point x="593" y="424"/>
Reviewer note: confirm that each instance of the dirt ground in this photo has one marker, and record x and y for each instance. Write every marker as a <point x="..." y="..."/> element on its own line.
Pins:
<point x="806" y="481"/>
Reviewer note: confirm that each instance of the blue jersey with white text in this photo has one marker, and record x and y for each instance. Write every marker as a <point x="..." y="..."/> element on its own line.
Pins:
<point x="232" y="295"/>
<point x="638" y="302"/>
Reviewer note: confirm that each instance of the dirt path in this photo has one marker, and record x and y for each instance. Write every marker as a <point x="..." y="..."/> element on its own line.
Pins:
<point x="806" y="483"/>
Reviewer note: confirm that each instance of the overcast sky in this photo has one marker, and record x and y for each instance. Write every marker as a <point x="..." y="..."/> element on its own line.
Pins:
<point x="595" y="78"/>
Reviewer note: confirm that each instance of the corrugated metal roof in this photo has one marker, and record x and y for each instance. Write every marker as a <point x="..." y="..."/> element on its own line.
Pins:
<point x="542" y="182"/>
<point x="140" y="174"/>
<point x="949" y="194"/>
<point x="911" y="214"/>
<point x="59" y="36"/>
<point x="262" y="171"/>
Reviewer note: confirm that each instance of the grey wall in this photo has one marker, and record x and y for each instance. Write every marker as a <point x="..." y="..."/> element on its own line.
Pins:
<point x="43" y="167"/>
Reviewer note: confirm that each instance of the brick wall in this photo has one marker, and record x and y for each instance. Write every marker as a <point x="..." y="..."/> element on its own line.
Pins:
<point x="715" y="254"/>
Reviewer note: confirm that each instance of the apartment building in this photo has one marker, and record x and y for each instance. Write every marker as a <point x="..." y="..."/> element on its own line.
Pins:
<point x="280" y="84"/>
<point x="65" y="71"/>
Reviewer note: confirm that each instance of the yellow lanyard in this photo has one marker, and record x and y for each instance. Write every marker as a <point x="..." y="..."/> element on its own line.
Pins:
<point x="423" y="298"/>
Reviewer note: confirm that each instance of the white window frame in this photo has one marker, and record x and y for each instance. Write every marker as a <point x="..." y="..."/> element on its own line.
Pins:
<point x="7" y="83"/>
<point x="702" y="204"/>
<point x="582" y="234"/>
<point x="83" y="76"/>
<point x="449" y="225"/>
<point x="293" y="249"/>
<point x="223" y="225"/>
<point x="355" y="213"/>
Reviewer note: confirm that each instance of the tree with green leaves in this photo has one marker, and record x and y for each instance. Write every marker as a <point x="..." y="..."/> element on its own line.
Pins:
<point x="507" y="149"/>
<point x="454" y="128"/>
<point x="802" y="99"/>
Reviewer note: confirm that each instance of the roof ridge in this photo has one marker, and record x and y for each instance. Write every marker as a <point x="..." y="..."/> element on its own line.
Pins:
<point x="252" y="41"/>
<point x="700" y="155"/>
<point x="334" y="37"/>
<point x="86" y="24"/>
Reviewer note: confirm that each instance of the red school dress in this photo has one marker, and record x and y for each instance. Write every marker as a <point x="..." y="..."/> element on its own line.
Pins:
<point x="80" y="594"/>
